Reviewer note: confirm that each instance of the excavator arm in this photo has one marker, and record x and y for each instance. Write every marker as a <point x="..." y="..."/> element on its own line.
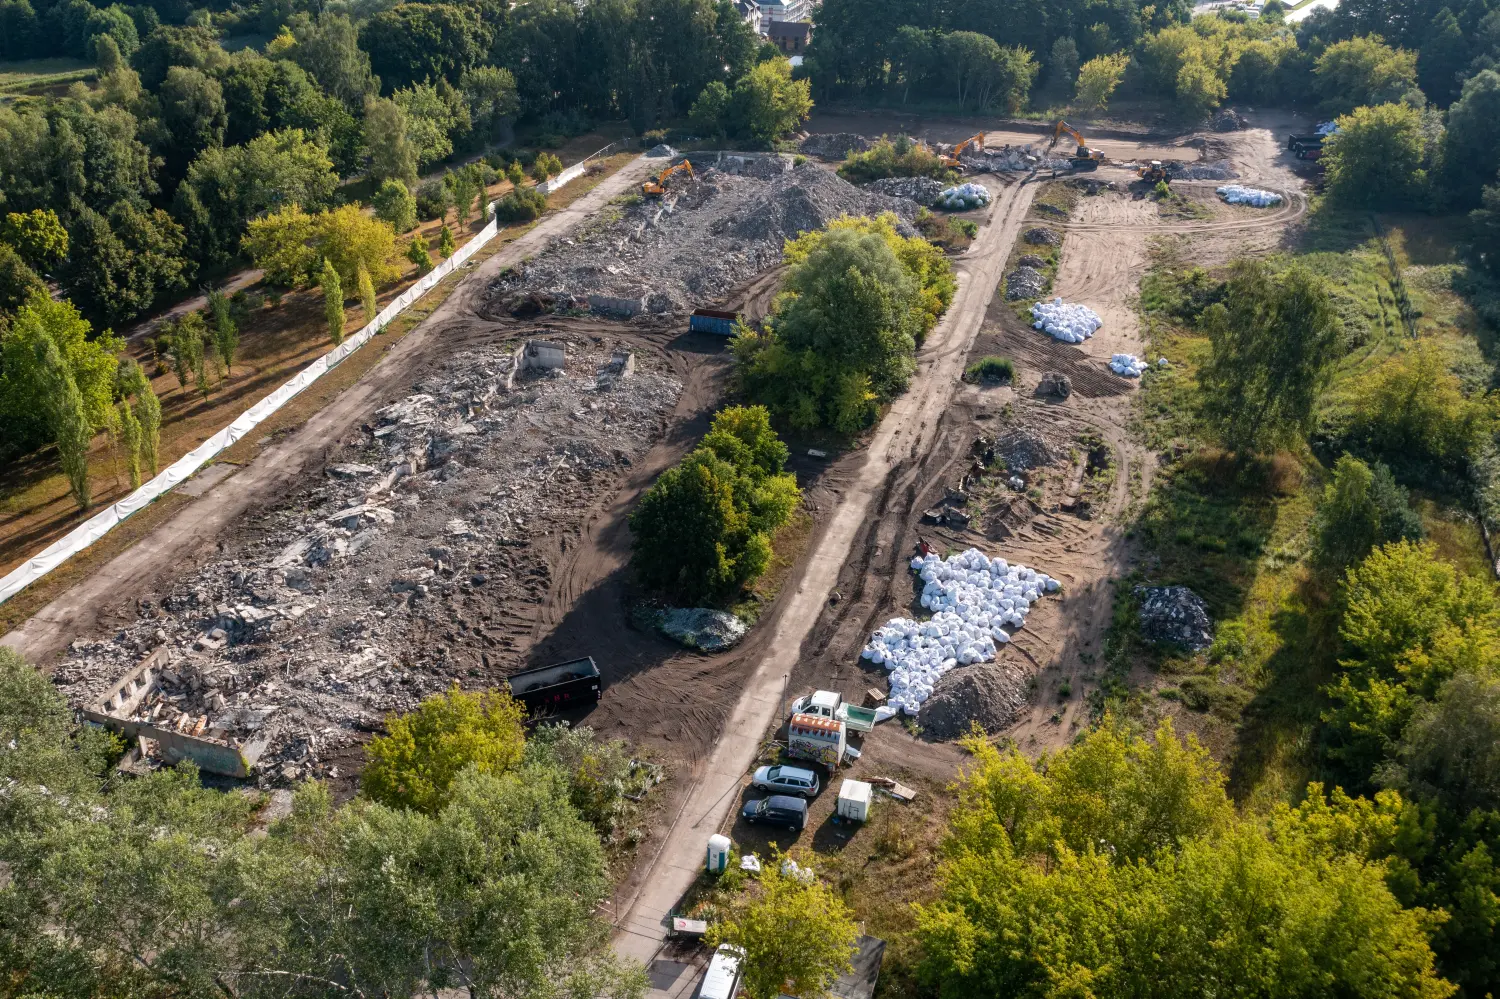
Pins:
<point x="972" y="142"/>
<point x="1084" y="158"/>
<point x="656" y="188"/>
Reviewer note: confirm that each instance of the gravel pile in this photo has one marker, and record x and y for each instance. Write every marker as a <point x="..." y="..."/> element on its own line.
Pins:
<point x="1042" y="236"/>
<point x="1228" y="120"/>
<point x="922" y="190"/>
<point x="1012" y="159"/>
<point x="833" y="145"/>
<point x="1022" y="449"/>
<point x="1175" y="615"/>
<point x="691" y="247"/>
<point x="1025" y="282"/>
<point x="1032" y="260"/>
<point x="409" y="567"/>
<point x="1055" y="383"/>
<point x="992" y="694"/>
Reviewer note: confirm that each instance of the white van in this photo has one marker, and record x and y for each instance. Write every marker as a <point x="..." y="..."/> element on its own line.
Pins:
<point x="723" y="973"/>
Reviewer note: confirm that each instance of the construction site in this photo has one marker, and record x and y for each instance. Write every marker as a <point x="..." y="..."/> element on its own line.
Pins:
<point x="462" y="513"/>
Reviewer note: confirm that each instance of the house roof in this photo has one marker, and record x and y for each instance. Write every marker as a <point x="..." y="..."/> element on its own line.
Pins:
<point x="789" y="29"/>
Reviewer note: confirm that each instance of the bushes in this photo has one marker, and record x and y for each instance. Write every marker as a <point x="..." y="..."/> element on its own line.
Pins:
<point x="704" y="528"/>
<point x="521" y="205"/>
<point x="1362" y="508"/>
<point x="1413" y="414"/>
<point x="395" y="205"/>
<point x="899" y="158"/>
<point x="1376" y="159"/>
<point x="433" y="200"/>
<point x="991" y="369"/>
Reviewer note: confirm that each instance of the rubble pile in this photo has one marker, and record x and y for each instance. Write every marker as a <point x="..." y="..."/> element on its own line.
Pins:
<point x="992" y="694"/>
<point x="1020" y="449"/>
<point x="922" y="190"/>
<point x="1175" y="615"/>
<point x="1012" y="159"/>
<point x="834" y="145"/>
<point x="411" y="565"/>
<point x="701" y="628"/>
<point x="1025" y="282"/>
<point x="1220" y="170"/>
<point x="694" y="245"/>
<point x="1228" y="120"/>
<point x="976" y="602"/>
<point x="1042" y="236"/>
<point x="1055" y="383"/>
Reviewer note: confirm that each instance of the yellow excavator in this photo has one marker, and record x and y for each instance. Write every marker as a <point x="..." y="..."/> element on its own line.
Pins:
<point x="950" y="160"/>
<point x="656" y="188"/>
<point x="1083" y="158"/>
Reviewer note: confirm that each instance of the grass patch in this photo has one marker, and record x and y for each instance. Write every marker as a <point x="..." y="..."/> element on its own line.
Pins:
<point x="994" y="370"/>
<point x="953" y="234"/>
<point x="28" y="75"/>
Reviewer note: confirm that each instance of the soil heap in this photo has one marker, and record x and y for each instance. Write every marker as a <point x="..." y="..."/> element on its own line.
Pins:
<point x="992" y="694"/>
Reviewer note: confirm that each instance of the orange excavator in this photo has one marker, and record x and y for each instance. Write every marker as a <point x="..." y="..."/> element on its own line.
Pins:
<point x="656" y="188"/>
<point x="1083" y="158"/>
<point x="950" y="160"/>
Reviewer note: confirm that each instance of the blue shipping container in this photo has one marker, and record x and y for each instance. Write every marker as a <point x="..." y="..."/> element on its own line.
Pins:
<point x="712" y="321"/>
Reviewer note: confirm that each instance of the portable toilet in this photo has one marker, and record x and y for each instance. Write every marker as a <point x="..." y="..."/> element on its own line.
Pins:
<point x="854" y="799"/>
<point x="718" y="853"/>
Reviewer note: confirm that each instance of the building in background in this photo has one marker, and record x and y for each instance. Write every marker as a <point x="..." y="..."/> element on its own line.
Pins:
<point x="784" y="10"/>
<point x="791" y="37"/>
<point x="750" y="12"/>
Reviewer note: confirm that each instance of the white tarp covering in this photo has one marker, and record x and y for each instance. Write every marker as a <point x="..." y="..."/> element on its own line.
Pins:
<point x="1237" y="194"/>
<point x="976" y="602"/>
<point x="1069" y="323"/>
<point x="183" y="468"/>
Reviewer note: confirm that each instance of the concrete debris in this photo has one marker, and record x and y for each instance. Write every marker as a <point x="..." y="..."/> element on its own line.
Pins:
<point x="834" y="145"/>
<point x="1220" y="170"/>
<point x="922" y="190"/>
<point x="1012" y="159"/>
<point x="701" y="628"/>
<point x="1055" y="383"/>
<point x="1228" y="120"/>
<point x="369" y="590"/>
<point x="1042" y="236"/>
<point x="695" y="244"/>
<point x="1025" y="282"/>
<point x="1022" y="449"/>
<point x="992" y="694"/>
<point x="1175" y="615"/>
<point x="661" y="151"/>
<point x="1032" y="260"/>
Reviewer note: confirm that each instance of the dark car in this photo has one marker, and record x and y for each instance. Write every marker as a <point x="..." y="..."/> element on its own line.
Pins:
<point x="777" y="810"/>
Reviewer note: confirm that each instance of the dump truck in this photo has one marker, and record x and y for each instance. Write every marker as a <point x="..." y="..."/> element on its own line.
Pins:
<point x="831" y="704"/>
<point x="713" y="321"/>
<point x="561" y="685"/>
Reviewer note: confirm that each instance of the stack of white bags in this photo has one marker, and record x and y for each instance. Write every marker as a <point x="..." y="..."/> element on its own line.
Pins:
<point x="976" y="602"/>
<point x="963" y="197"/>
<point x="1238" y="194"/>
<point x="1070" y="323"/>
<point x="1127" y="364"/>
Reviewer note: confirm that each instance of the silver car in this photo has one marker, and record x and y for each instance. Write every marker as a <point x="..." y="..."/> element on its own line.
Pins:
<point x="787" y="780"/>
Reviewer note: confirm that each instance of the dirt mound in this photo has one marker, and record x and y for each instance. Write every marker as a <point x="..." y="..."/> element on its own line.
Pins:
<point x="1228" y="120"/>
<point x="693" y="246"/>
<point x="992" y="694"/>
<point x="1202" y="171"/>
<point x="834" y="145"/>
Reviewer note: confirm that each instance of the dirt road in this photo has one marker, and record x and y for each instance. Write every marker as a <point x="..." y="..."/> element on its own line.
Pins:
<point x="906" y="431"/>
<point x="107" y="595"/>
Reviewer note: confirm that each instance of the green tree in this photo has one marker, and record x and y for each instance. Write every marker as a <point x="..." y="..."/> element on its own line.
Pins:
<point x="768" y="103"/>
<point x="395" y="205"/>
<point x="1450" y="749"/>
<point x="1199" y="89"/>
<point x="422" y="753"/>
<point x="416" y="252"/>
<point x="1272" y="341"/>
<point x="25" y="387"/>
<point x="1162" y="890"/>
<point x="1443" y="58"/>
<point x="393" y="156"/>
<point x="121" y="264"/>
<point x="490" y="93"/>
<point x="38" y="236"/>
<point x="710" y="112"/>
<point x="1411" y="621"/>
<point x="414" y="43"/>
<point x="1097" y="81"/>
<point x="194" y="115"/>
<point x="463" y="188"/>
<point x="981" y="71"/>
<point x="1376" y="159"/>
<point x="435" y="117"/>
<point x="226" y="335"/>
<point x="137" y="396"/>
<point x="1484" y="222"/>
<point x="1471" y="144"/>
<point x="70" y="424"/>
<point x="130" y="436"/>
<point x="1413" y="412"/>
<point x="282" y="244"/>
<point x="328" y="48"/>
<point x="18" y="282"/>
<point x="797" y="936"/>
<point x="446" y="246"/>
<point x="188" y="46"/>
<point x="333" y="301"/>
<point x="1362" y="508"/>
<point x="1062" y="67"/>
<point x="367" y="301"/>
<point x="516" y="174"/>
<point x="1364" y="71"/>
<point x="43" y="747"/>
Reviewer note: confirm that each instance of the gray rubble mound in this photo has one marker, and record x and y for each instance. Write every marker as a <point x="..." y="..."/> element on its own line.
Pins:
<point x="1228" y="120"/>
<point x="1042" y="236"/>
<point x="1175" y="615"/>
<point x="1220" y="170"/>
<point x="834" y="145"/>
<point x="1025" y="282"/>
<point x="1022" y="449"/>
<point x="922" y="190"/>
<point x="1032" y="260"/>
<point x="661" y="151"/>
<point x="701" y="628"/>
<point x="694" y="245"/>
<point x="1055" y="383"/>
<point x="992" y="694"/>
